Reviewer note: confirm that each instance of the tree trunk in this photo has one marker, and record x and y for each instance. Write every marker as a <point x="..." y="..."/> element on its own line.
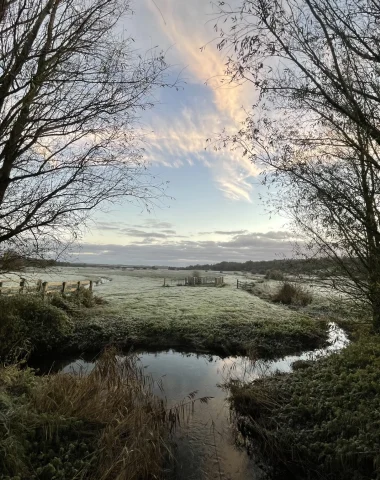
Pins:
<point x="376" y="314"/>
<point x="375" y="302"/>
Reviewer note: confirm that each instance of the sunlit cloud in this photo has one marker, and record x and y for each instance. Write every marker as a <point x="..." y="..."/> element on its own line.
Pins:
<point x="189" y="29"/>
<point x="183" y="141"/>
<point x="186" y="140"/>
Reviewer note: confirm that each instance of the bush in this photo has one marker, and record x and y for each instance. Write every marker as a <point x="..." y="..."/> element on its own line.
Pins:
<point x="274" y="275"/>
<point x="292" y="294"/>
<point x="71" y="303"/>
<point x="30" y="323"/>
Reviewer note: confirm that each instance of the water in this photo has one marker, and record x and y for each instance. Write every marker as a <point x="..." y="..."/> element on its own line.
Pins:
<point x="205" y="444"/>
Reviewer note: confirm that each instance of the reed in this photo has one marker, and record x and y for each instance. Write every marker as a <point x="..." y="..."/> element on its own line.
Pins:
<point x="106" y="424"/>
<point x="116" y="404"/>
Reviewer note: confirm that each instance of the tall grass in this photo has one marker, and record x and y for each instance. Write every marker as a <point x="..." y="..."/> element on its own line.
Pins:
<point x="106" y="424"/>
<point x="116" y="399"/>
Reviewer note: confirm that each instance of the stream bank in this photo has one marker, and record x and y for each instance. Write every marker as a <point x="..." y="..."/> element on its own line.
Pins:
<point x="322" y="420"/>
<point x="206" y="440"/>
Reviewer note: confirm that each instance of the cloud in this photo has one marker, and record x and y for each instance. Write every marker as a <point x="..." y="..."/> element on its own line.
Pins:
<point x="182" y="251"/>
<point x="223" y="232"/>
<point x="152" y="223"/>
<point x="216" y="107"/>
<point x="133" y="232"/>
<point x="185" y="25"/>
<point x="175" y="143"/>
<point x="108" y="225"/>
<point x="247" y="240"/>
<point x="149" y="229"/>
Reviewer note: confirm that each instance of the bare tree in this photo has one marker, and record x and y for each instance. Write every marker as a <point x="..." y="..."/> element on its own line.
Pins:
<point x="319" y="55"/>
<point x="71" y="88"/>
<point x="315" y="127"/>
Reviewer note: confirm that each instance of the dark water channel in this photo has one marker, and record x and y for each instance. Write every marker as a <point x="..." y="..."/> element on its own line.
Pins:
<point x="206" y="443"/>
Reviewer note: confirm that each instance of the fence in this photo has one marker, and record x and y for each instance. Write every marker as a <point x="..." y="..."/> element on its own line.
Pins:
<point x="244" y="285"/>
<point x="43" y="288"/>
<point x="194" y="281"/>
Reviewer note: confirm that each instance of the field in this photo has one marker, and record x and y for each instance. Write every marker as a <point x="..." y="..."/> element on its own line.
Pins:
<point x="134" y="310"/>
<point x="142" y="313"/>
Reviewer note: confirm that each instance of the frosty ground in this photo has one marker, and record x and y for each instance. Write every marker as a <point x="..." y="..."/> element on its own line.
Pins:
<point x="141" y="312"/>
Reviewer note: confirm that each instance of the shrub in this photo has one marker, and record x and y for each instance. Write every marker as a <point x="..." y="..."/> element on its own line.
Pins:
<point x="63" y="303"/>
<point x="29" y="322"/>
<point x="71" y="303"/>
<point x="85" y="298"/>
<point x="274" y="275"/>
<point x="292" y="294"/>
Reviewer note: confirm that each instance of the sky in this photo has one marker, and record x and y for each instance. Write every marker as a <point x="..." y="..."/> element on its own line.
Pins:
<point x="212" y="209"/>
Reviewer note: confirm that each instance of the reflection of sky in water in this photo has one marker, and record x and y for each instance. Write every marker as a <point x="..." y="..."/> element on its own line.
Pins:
<point x="205" y="446"/>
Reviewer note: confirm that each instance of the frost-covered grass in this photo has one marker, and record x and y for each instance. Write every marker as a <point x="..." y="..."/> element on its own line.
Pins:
<point x="141" y="312"/>
<point x="321" y="421"/>
<point x="327" y="303"/>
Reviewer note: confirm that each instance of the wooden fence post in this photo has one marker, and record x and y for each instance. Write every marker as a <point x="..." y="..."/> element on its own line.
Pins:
<point x="63" y="288"/>
<point x="164" y="282"/>
<point x="39" y="285"/>
<point x="78" y="287"/>
<point x="1" y="286"/>
<point x="44" y="289"/>
<point x="22" y="285"/>
<point x="91" y="285"/>
<point x="237" y="283"/>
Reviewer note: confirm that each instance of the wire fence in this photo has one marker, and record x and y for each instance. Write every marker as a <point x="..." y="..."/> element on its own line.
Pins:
<point x="194" y="281"/>
<point x="245" y="285"/>
<point x="10" y="287"/>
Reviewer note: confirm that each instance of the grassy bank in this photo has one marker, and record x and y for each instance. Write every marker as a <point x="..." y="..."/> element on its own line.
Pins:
<point x="142" y="313"/>
<point x="322" y="420"/>
<point x="217" y="320"/>
<point x="100" y="426"/>
<point x="224" y="334"/>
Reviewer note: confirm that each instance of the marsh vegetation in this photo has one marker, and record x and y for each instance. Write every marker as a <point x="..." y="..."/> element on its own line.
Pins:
<point x="69" y="411"/>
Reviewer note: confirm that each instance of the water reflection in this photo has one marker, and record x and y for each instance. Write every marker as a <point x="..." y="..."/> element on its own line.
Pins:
<point x="204" y="444"/>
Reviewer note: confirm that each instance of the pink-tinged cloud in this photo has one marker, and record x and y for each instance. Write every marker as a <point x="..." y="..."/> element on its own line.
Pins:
<point x="182" y="139"/>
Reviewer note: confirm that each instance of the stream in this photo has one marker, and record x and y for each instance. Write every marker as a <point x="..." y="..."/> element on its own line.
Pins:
<point x="206" y="443"/>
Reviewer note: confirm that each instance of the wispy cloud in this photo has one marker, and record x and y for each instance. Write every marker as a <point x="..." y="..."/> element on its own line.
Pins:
<point x="185" y="25"/>
<point x="185" y="141"/>
<point x="149" y="230"/>
<point x="152" y="223"/>
<point x="224" y="232"/>
<point x="181" y="251"/>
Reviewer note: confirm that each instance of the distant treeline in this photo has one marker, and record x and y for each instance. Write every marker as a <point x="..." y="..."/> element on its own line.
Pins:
<point x="289" y="266"/>
<point x="11" y="261"/>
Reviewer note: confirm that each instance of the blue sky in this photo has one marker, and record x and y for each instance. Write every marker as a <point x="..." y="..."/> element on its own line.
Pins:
<point x="215" y="212"/>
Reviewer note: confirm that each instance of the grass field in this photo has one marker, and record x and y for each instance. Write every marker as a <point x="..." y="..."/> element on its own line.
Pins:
<point x="142" y="313"/>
